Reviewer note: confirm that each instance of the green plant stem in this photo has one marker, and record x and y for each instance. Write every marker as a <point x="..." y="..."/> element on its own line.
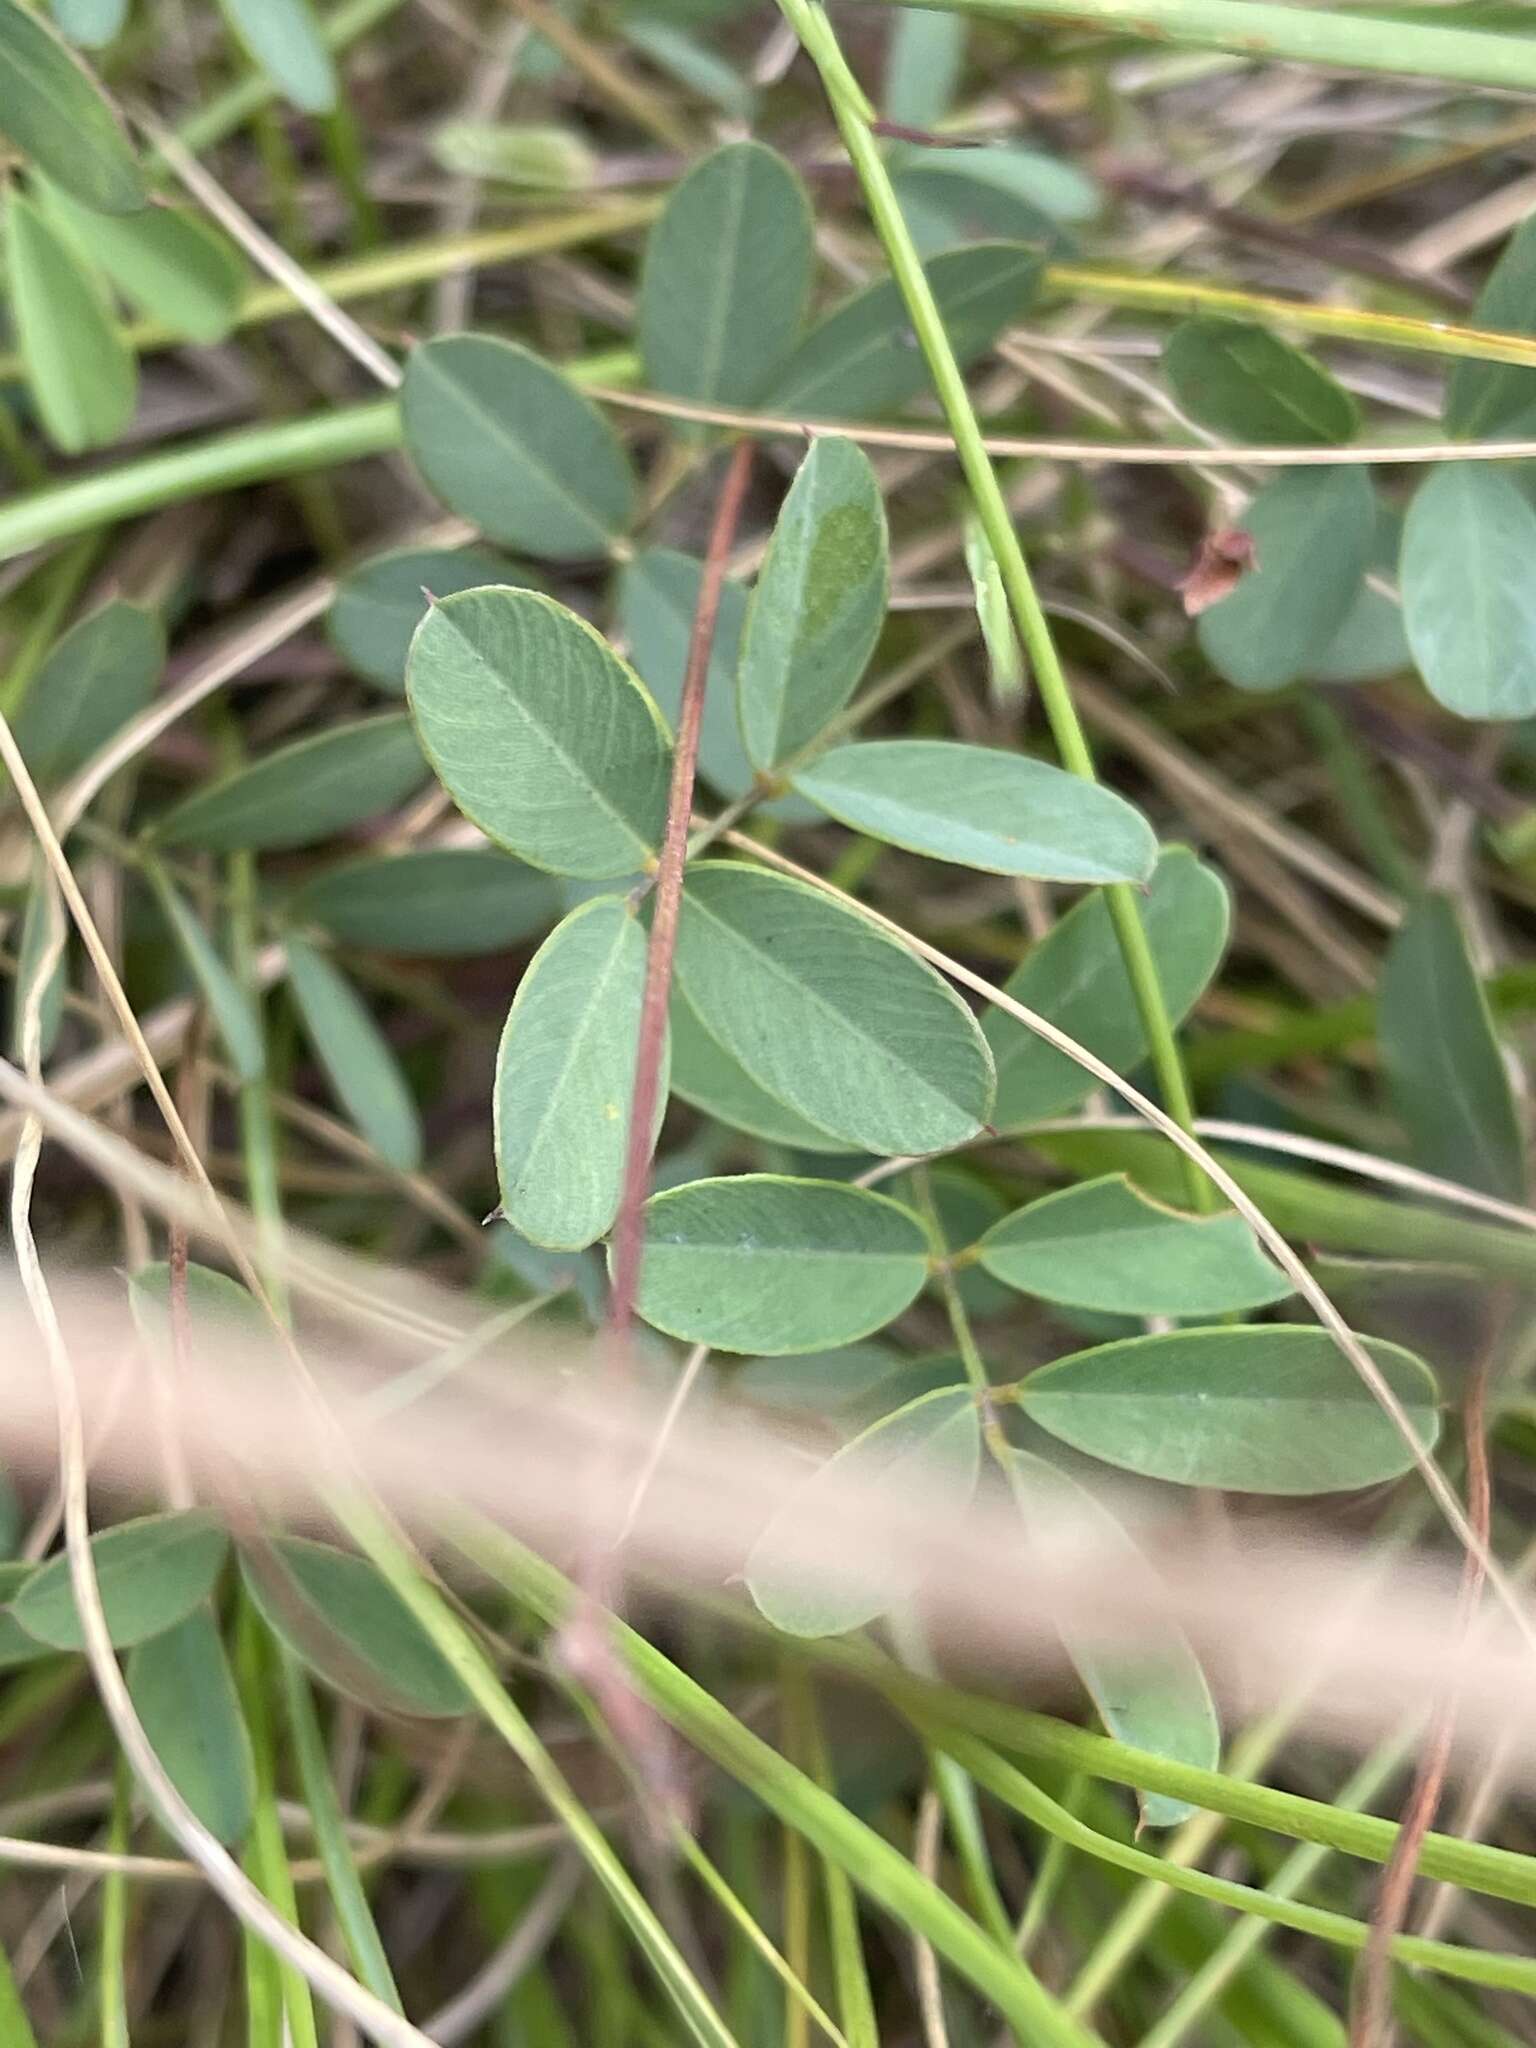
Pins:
<point x="1478" y="1867"/>
<point x="827" y="1825"/>
<point x="1269" y="33"/>
<point x="850" y="110"/>
<point x="266" y="1856"/>
<point x="114" y="1921"/>
<point x="345" y="1887"/>
<point x="1473" y="1966"/>
<point x="1248" y="1936"/>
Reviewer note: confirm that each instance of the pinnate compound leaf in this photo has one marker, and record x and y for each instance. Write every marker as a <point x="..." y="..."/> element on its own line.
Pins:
<point x="540" y="734"/>
<point x="99" y="674"/>
<point x="769" y="1265"/>
<point x="933" y="1444"/>
<point x="983" y="808"/>
<point x="1249" y="385"/>
<point x="81" y="373"/>
<point x="438" y="903"/>
<point x="819" y="604"/>
<point x="304" y="792"/>
<point x="55" y="112"/>
<point x="167" y="261"/>
<point x="91" y="23"/>
<point x="1444" y="1070"/>
<point x="1270" y="1409"/>
<point x="726" y="278"/>
<point x="1076" y="978"/>
<point x="1312" y="533"/>
<point x="233" y="1007"/>
<point x="183" y="1692"/>
<point x="1469" y="600"/>
<point x="706" y="1075"/>
<point x="829" y="1015"/>
<point x="357" y="1058"/>
<point x="508" y="442"/>
<point x="380" y="605"/>
<point x="565" y="1075"/>
<point x="283" y="39"/>
<point x="152" y="1573"/>
<point x="343" y="1619"/>
<point x="1105" y="1246"/>
<point x="863" y="360"/>
<point x="1157" y="1700"/>
<point x="1497" y="401"/>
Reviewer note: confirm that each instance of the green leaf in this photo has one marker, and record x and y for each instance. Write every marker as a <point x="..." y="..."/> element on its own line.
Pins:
<point x="1469" y="602"/>
<point x="983" y="808"/>
<point x="924" y="55"/>
<point x="91" y="23"/>
<point x="97" y="677"/>
<point x="508" y="442"/>
<point x="341" y="1618"/>
<point x="17" y="1648"/>
<point x="1159" y="1701"/>
<point x="358" y="1060"/>
<point x="304" y="792"/>
<point x="819" y="604"/>
<point x="1003" y="191"/>
<point x="1371" y="642"/>
<point x="56" y="113"/>
<point x="184" y="1694"/>
<point x="726" y="278"/>
<point x="1249" y="385"/>
<point x="1312" y="532"/>
<point x="565" y="1075"/>
<point x="706" y="1075"/>
<point x="1104" y="1245"/>
<point x="1444" y="1069"/>
<point x="213" y="1300"/>
<point x="1076" y="978"/>
<point x="1497" y="401"/>
<point x="81" y="373"/>
<point x="1272" y="1409"/>
<point x="658" y="596"/>
<point x="540" y="734"/>
<point x="282" y="37"/>
<point x="152" y="1573"/>
<point x="167" y="261"/>
<point x="829" y="1015"/>
<point x="234" y="1008"/>
<point x="932" y="1444"/>
<point x="379" y="606"/>
<point x="693" y="64"/>
<point x="439" y="903"/>
<point x="769" y="1265"/>
<point x="862" y="360"/>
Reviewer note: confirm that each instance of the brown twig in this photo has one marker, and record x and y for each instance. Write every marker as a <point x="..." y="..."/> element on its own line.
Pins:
<point x="627" y="1230"/>
<point x="1371" y="2016"/>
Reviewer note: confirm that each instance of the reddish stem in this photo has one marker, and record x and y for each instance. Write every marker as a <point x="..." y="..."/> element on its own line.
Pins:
<point x="628" y="1235"/>
<point x="1371" y="2021"/>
